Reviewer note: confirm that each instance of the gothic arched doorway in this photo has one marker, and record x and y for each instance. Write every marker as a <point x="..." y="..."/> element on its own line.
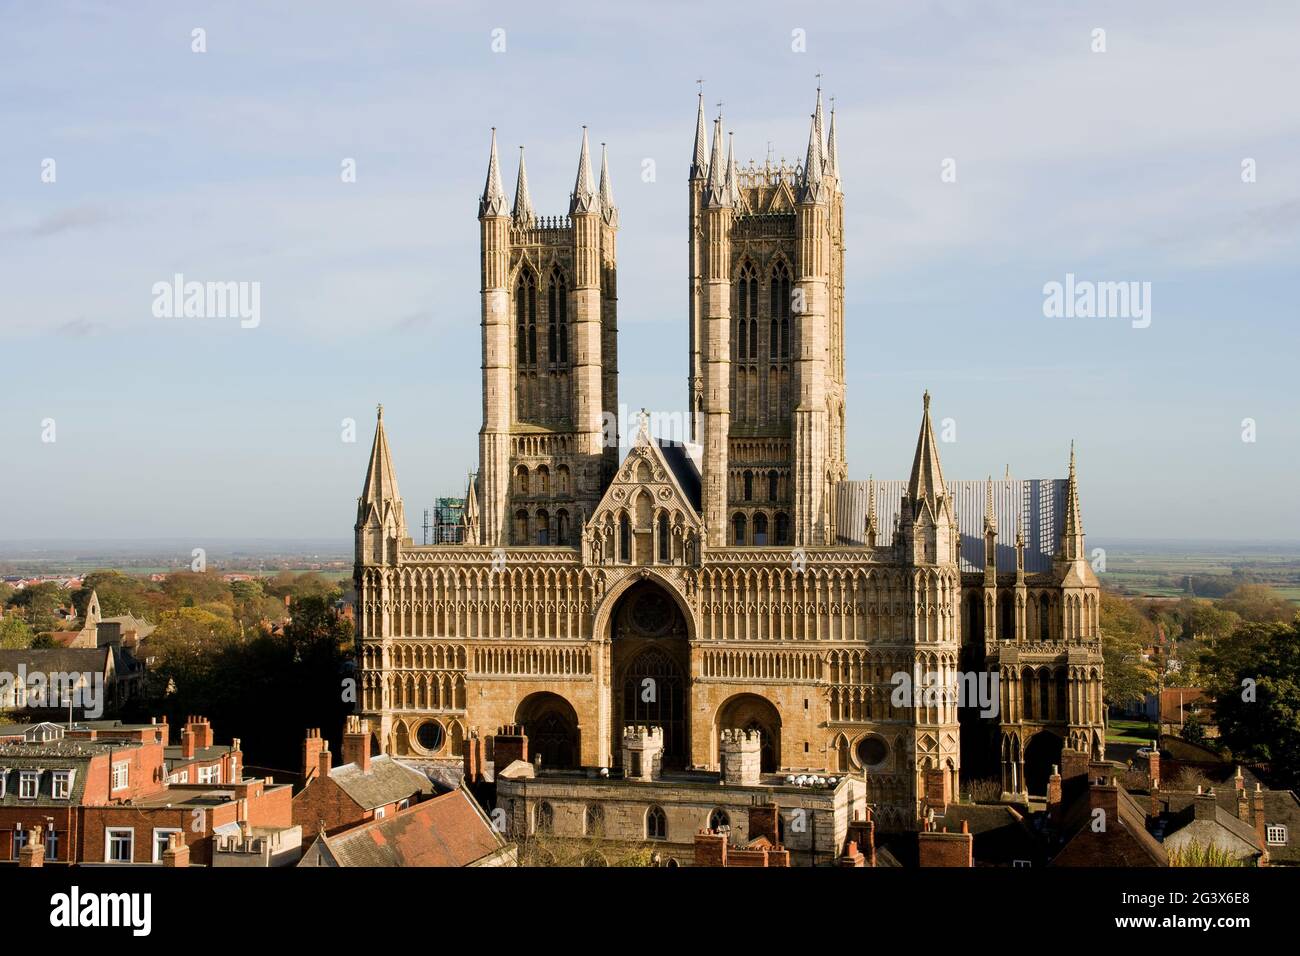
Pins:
<point x="551" y="724"/>
<point x="751" y="712"/>
<point x="650" y="669"/>
<point x="1043" y="752"/>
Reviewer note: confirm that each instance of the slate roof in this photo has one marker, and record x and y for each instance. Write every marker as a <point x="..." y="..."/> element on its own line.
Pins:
<point x="51" y="659"/>
<point x="1001" y="835"/>
<point x="1132" y="816"/>
<point x="449" y="830"/>
<point x="389" y="781"/>
<point x="683" y="460"/>
<point x="1035" y="505"/>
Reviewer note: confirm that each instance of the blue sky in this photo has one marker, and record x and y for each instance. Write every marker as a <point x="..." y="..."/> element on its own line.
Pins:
<point x="225" y="165"/>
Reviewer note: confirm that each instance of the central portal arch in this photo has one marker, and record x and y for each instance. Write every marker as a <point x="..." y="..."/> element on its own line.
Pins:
<point x="551" y="724"/>
<point x="650" y="679"/>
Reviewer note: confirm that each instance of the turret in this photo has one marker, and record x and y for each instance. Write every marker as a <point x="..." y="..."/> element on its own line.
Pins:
<point x="498" y="358"/>
<point x="522" y="213"/>
<point x="716" y="342"/>
<point x="585" y="211"/>
<point x="927" y="525"/>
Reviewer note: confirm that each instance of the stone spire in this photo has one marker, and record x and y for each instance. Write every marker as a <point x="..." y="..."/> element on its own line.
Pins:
<point x="493" y="202"/>
<point x="523" y="211"/>
<point x="719" y="194"/>
<point x="1072" y="546"/>
<point x="584" y="197"/>
<point x="733" y="183"/>
<point x="990" y="516"/>
<point x="381" y="479"/>
<point x="833" y="153"/>
<point x="470" y="518"/>
<point x="814" y="163"/>
<point x="607" y="208"/>
<point x="700" y="159"/>
<point x="926" y="482"/>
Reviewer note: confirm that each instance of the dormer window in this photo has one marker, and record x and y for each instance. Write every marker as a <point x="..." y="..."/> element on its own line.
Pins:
<point x="28" y="783"/>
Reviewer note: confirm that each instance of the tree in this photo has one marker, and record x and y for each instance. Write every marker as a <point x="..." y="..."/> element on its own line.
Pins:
<point x="38" y="603"/>
<point x="1256" y="689"/>
<point x="1258" y="603"/>
<point x="1125" y="633"/>
<point x="118" y="593"/>
<point x="14" y="632"/>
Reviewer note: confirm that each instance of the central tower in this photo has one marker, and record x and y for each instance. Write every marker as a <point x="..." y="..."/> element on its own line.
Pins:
<point x="549" y="440"/>
<point x="767" y="339"/>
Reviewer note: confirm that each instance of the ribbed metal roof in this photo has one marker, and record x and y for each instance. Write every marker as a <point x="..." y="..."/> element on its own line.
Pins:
<point x="1038" y="504"/>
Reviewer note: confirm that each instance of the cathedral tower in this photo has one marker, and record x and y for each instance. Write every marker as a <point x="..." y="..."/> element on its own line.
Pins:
<point x="549" y="439"/>
<point x="766" y="329"/>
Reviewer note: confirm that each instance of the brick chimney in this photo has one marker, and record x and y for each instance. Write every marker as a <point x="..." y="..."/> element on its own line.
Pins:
<point x="1257" y="799"/>
<point x="1204" y="806"/>
<point x="202" y="732"/>
<point x="937" y="790"/>
<point x="764" y="822"/>
<point x="236" y="759"/>
<point x="852" y="857"/>
<point x="710" y="848"/>
<point x="863" y="834"/>
<point x="473" y="757"/>
<point x="1054" y="796"/>
<point x="312" y="745"/>
<point x="177" y="853"/>
<point x="1153" y="764"/>
<point x="945" y="849"/>
<point x="161" y="730"/>
<point x="187" y="742"/>
<point x="323" y="762"/>
<point x="33" y="852"/>
<point x="356" y="743"/>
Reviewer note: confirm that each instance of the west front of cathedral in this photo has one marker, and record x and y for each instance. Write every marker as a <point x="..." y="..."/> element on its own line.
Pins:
<point x="737" y="581"/>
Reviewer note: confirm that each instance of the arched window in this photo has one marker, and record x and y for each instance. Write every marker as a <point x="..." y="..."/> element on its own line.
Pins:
<point x="521" y="479"/>
<point x="749" y="486"/>
<point x="1044" y="695"/>
<point x="593" y="821"/>
<point x="719" y="819"/>
<point x="656" y="824"/>
<point x="542" y="481"/>
<point x="780" y="301"/>
<point x="782" y="528"/>
<point x="561" y="527"/>
<point x="521" y="527"/>
<point x="562" y="480"/>
<point x="1062" y="700"/>
<point x="741" y="347"/>
<point x="559" y="316"/>
<point x="738" y="524"/>
<point x="1008" y="619"/>
<point x="1044" y="620"/>
<point x="760" y="529"/>
<point x="526" y="317"/>
<point x="543" y="527"/>
<point x="1027" y="693"/>
<point x="624" y="539"/>
<point x="665" y="542"/>
<point x="544" y="818"/>
<point x="771" y="485"/>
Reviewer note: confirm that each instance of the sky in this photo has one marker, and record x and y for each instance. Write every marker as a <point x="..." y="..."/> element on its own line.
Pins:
<point x="1122" y="164"/>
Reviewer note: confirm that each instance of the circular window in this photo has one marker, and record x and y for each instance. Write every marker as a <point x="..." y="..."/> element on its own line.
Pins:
<point x="652" y="613"/>
<point x="431" y="735"/>
<point x="871" y="751"/>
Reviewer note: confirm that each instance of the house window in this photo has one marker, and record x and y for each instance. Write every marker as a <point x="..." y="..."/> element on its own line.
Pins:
<point x="119" y="845"/>
<point x="656" y="824"/>
<point x="52" y="844"/>
<point x="1021" y="864"/>
<point x="61" y="785"/>
<point x="403" y="804"/>
<point x="210" y="774"/>
<point x="161" y="840"/>
<point x="381" y="812"/>
<point x="1275" y="835"/>
<point x="28" y="780"/>
<point x="121" y="775"/>
<point x="20" y="840"/>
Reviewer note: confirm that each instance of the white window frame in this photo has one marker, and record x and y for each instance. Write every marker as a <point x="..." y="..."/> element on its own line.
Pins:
<point x="1021" y="864"/>
<point x="380" y="812"/>
<point x="4" y="780"/>
<point x="125" y="767"/>
<point x="109" y="832"/>
<point x="51" y="844"/>
<point x="1275" y="834"/>
<point x="158" y="851"/>
<point x="26" y="777"/>
<point x="210" y="774"/>
<point x="61" y="784"/>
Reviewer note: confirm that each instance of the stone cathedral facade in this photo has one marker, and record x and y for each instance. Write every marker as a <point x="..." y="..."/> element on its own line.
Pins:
<point x="736" y="581"/>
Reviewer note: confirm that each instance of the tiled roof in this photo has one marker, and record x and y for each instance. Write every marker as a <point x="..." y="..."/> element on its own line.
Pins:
<point x="49" y="659"/>
<point x="449" y="830"/>
<point x="1035" y="505"/>
<point x="389" y="781"/>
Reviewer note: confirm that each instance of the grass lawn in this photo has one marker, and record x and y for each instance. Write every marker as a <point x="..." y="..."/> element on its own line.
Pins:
<point x="1130" y="732"/>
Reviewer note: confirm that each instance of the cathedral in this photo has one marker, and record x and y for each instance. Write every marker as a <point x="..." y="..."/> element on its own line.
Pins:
<point x="920" y="635"/>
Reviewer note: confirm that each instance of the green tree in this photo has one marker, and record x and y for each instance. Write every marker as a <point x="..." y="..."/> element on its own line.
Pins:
<point x="39" y="602"/>
<point x="14" y="632"/>
<point x="1258" y="603"/>
<point x="1256" y="689"/>
<point x="1125" y="633"/>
